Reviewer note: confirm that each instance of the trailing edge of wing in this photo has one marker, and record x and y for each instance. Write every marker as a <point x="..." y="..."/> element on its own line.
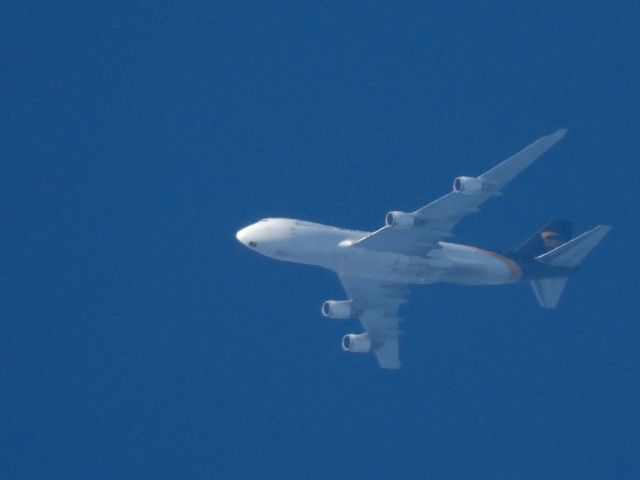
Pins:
<point x="437" y="219"/>
<point x="377" y="304"/>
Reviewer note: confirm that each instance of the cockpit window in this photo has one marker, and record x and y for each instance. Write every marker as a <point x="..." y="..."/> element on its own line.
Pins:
<point x="253" y="244"/>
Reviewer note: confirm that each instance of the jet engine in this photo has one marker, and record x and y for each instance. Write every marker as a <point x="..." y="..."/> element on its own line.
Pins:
<point x="337" y="309"/>
<point x="468" y="185"/>
<point x="360" y="343"/>
<point x="400" y="219"/>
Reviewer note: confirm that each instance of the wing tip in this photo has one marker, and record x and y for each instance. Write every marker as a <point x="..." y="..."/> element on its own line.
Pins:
<point x="392" y="366"/>
<point x="558" y="134"/>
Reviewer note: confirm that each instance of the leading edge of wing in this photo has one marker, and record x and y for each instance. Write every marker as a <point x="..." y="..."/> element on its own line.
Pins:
<point x="435" y="220"/>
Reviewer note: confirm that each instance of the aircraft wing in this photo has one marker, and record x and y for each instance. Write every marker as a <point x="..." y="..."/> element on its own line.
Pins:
<point x="434" y="221"/>
<point x="377" y="304"/>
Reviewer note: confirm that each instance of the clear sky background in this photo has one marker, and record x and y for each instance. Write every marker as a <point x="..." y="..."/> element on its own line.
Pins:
<point x="139" y="340"/>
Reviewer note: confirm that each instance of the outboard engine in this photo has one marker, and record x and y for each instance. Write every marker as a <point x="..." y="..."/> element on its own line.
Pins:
<point x="468" y="185"/>
<point x="360" y="343"/>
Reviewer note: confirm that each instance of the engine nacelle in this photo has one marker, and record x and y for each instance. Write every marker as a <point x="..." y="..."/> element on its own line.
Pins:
<point x="337" y="309"/>
<point x="468" y="185"/>
<point x="400" y="219"/>
<point x="359" y="343"/>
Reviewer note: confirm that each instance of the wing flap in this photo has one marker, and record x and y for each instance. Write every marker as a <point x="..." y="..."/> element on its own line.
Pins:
<point x="388" y="354"/>
<point x="377" y="303"/>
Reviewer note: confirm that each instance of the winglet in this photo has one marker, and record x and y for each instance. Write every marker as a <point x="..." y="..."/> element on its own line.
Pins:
<point x="506" y="171"/>
<point x="559" y="134"/>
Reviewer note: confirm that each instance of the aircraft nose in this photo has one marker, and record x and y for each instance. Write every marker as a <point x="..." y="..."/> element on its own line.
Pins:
<point x="240" y="234"/>
<point x="243" y="236"/>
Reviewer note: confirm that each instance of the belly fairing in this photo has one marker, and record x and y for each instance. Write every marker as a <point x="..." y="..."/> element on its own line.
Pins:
<point x="388" y="266"/>
<point x="452" y="263"/>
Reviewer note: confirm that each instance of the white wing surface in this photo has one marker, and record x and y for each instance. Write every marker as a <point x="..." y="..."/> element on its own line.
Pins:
<point x="434" y="221"/>
<point x="376" y="303"/>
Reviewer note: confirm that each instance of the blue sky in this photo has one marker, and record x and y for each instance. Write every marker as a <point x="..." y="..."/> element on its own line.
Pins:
<point x="140" y="340"/>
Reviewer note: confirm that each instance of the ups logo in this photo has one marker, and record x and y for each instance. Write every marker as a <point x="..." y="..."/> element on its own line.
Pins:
<point x="551" y="239"/>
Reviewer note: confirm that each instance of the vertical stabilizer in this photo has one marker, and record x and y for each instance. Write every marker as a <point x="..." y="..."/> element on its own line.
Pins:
<point x="547" y="238"/>
<point x="568" y="255"/>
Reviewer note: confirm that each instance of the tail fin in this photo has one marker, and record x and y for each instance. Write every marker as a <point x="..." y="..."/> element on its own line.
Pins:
<point x="547" y="238"/>
<point x="568" y="255"/>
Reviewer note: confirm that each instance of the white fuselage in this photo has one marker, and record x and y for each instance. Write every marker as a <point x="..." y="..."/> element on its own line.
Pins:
<point x="330" y="247"/>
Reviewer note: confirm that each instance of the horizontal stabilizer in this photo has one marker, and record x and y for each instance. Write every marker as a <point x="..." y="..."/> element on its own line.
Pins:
<point x="568" y="255"/>
<point x="571" y="253"/>
<point x="549" y="290"/>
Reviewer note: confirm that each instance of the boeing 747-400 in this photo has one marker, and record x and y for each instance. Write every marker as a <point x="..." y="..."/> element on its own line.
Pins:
<point x="375" y="268"/>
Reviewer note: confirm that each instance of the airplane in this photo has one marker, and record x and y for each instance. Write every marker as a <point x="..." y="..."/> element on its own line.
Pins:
<point x="376" y="268"/>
